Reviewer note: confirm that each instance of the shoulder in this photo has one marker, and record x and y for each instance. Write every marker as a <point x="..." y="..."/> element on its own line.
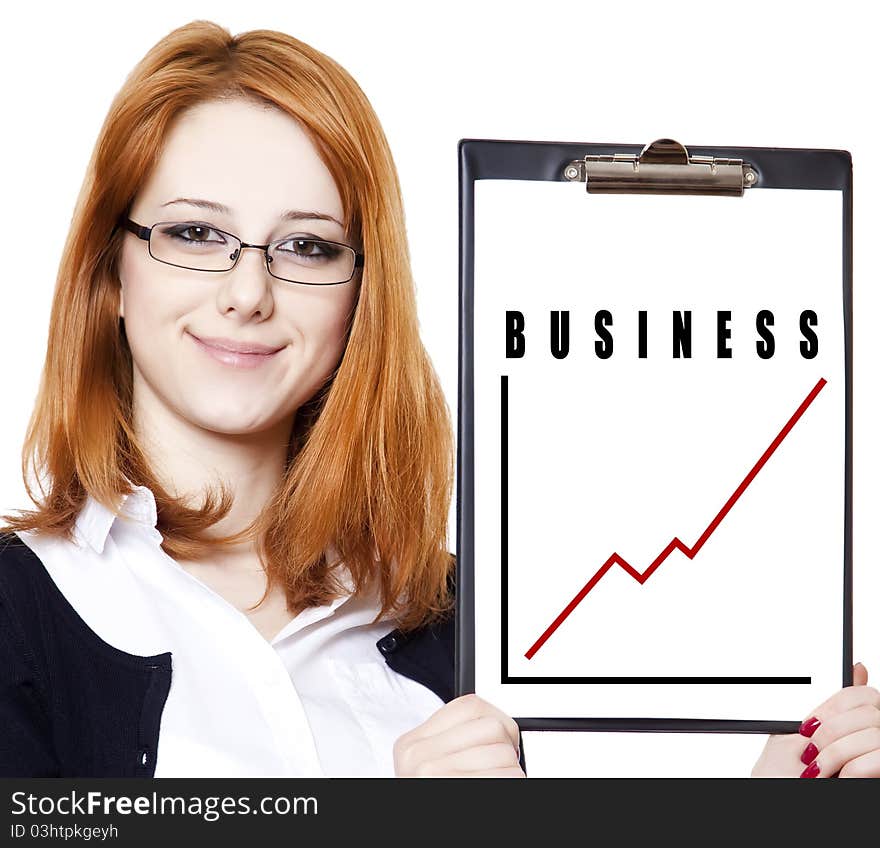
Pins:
<point x="28" y="563"/>
<point x="13" y="549"/>
<point x="22" y="607"/>
<point x="22" y="583"/>
<point x="27" y="590"/>
<point x="22" y="570"/>
<point x="10" y="546"/>
<point x="20" y="567"/>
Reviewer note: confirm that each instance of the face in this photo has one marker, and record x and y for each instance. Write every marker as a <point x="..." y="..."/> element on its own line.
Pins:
<point x="259" y="164"/>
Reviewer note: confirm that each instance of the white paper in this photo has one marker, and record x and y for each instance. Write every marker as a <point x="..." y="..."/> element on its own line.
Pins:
<point x="624" y="454"/>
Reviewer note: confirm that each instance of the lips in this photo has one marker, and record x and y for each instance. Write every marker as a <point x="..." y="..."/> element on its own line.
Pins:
<point x="234" y="346"/>
<point x="248" y="354"/>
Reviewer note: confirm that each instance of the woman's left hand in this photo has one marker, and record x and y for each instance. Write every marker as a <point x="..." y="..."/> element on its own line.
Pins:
<point x="841" y="737"/>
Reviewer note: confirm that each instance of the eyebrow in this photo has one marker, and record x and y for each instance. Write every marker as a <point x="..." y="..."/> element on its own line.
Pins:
<point x="286" y="215"/>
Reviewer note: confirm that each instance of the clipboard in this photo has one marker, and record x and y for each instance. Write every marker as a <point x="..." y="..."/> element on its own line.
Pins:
<point x="725" y="460"/>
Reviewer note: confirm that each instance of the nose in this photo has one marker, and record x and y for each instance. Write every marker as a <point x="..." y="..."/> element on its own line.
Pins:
<point x="247" y="287"/>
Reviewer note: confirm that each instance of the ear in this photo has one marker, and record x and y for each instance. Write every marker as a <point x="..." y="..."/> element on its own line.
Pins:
<point x="121" y="310"/>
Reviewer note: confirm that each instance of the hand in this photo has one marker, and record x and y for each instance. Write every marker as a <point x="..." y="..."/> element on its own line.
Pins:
<point x="467" y="737"/>
<point x="845" y="741"/>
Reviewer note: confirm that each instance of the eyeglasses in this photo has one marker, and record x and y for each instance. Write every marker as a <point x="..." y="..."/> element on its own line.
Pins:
<point x="202" y="247"/>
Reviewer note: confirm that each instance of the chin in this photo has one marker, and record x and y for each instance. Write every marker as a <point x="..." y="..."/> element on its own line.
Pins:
<point x="227" y="422"/>
<point x="232" y="428"/>
<point x="245" y="422"/>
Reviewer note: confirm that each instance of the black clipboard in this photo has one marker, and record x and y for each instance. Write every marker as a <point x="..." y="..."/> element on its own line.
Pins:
<point x="663" y="167"/>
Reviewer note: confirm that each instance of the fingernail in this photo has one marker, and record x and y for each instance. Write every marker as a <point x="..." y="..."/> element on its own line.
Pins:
<point x="810" y="754"/>
<point x="812" y="770"/>
<point x="808" y="728"/>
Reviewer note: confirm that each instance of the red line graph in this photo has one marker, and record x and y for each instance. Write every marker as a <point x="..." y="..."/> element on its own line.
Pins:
<point x="676" y="544"/>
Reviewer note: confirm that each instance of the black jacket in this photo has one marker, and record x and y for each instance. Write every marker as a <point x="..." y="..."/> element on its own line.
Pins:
<point x="72" y="705"/>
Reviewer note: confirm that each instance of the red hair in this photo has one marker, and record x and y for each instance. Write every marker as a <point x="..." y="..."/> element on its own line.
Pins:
<point x="370" y="464"/>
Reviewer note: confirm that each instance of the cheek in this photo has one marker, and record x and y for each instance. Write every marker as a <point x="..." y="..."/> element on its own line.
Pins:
<point x="151" y="306"/>
<point x="325" y="325"/>
<point x="133" y="287"/>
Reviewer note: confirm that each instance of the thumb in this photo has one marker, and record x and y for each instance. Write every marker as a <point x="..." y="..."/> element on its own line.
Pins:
<point x="860" y="675"/>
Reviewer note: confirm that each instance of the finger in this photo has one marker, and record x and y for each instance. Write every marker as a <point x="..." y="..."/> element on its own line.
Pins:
<point x="843" y="724"/>
<point x="460" y="710"/>
<point x="781" y="756"/>
<point x="832" y="759"/>
<point x="860" y="675"/>
<point x="846" y="699"/>
<point x="510" y="771"/>
<point x="485" y="730"/>
<point x="868" y="765"/>
<point x="474" y="761"/>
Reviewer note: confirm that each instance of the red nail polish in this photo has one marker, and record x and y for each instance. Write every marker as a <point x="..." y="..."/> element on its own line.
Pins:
<point x="808" y="728"/>
<point x="810" y="754"/>
<point x="812" y="770"/>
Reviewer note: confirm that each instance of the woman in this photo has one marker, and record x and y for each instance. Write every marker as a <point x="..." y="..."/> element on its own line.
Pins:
<point x="236" y="565"/>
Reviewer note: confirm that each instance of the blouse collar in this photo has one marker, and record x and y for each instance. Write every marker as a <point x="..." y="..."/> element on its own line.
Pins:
<point x="95" y="520"/>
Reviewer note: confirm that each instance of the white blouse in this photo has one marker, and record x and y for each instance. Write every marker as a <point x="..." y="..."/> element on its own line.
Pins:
<point x="319" y="700"/>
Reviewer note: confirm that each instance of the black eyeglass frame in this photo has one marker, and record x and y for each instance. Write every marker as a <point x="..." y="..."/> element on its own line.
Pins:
<point x="143" y="232"/>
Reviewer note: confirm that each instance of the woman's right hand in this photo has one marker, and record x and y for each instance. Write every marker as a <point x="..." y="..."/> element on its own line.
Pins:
<point x="840" y="737"/>
<point x="467" y="737"/>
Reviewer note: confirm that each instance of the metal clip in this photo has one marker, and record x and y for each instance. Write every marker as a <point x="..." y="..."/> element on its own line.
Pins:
<point x="663" y="167"/>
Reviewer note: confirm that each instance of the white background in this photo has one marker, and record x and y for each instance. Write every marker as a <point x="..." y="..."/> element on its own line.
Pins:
<point x="786" y="75"/>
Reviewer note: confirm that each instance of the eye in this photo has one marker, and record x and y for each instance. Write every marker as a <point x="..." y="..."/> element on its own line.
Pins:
<point x="302" y="246"/>
<point x="307" y="247"/>
<point x="194" y="233"/>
